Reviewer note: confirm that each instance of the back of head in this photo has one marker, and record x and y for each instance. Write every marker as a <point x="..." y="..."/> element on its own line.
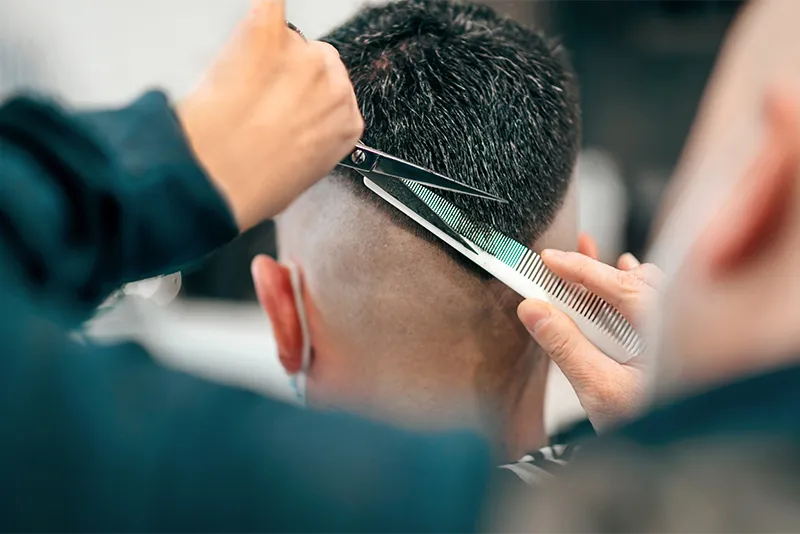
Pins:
<point x="729" y="245"/>
<point x="461" y="90"/>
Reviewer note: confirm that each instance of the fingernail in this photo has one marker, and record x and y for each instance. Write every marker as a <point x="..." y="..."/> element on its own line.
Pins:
<point x="630" y="259"/>
<point x="534" y="315"/>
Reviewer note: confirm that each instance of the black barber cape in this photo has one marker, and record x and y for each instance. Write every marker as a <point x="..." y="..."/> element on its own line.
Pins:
<point x="103" y="439"/>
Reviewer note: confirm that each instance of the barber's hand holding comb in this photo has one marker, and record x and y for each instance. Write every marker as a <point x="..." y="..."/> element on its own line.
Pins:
<point x="608" y="391"/>
<point x="273" y="115"/>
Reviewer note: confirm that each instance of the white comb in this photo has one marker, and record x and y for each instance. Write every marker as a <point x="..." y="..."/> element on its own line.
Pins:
<point x="523" y="270"/>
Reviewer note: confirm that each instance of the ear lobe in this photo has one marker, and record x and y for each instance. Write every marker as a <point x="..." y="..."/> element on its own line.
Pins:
<point x="275" y="294"/>
<point x="751" y="219"/>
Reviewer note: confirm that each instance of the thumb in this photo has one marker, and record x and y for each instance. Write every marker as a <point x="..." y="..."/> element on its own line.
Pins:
<point x="266" y="23"/>
<point x="580" y="361"/>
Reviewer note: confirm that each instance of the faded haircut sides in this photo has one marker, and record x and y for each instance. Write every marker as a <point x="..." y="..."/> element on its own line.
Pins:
<point x="459" y="89"/>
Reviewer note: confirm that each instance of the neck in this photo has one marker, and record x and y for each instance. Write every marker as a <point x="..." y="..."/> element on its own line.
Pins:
<point x="509" y="391"/>
<point x="525" y="430"/>
<point x="501" y="396"/>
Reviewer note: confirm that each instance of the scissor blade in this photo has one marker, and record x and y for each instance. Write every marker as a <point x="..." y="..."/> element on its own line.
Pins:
<point x="397" y="168"/>
<point x="404" y="195"/>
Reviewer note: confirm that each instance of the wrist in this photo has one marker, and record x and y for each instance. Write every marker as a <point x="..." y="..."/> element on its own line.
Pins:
<point x="203" y="140"/>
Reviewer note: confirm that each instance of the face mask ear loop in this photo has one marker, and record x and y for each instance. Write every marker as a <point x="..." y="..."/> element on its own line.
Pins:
<point x="297" y="289"/>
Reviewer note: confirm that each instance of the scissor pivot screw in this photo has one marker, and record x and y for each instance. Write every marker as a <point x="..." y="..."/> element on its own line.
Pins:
<point x="358" y="157"/>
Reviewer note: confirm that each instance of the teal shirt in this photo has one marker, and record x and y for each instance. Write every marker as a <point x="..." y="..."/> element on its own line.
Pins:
<point x="102" y="438"/>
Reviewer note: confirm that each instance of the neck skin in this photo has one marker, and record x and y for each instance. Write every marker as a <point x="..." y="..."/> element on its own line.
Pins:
<point x="494" y="387"/>
<point x="525" y="431"/>
<point x="422" y="344"/>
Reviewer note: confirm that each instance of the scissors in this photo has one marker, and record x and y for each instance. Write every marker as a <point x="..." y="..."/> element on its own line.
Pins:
<point x="368" y="161"/>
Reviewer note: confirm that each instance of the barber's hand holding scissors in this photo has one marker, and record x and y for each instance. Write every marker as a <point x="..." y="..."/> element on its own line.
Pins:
<point x="273" y="115"/>
<point x="608" y="391"/>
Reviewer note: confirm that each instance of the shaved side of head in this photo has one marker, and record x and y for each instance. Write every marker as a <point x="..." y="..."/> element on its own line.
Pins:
<point x="456" y="88"/>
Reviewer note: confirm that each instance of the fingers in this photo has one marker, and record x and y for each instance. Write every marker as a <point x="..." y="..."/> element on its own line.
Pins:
<point x="328" y="50"/>
<point x="330" y="60"/>
<point x="607" y="390"/>
<point x="649" y="274"/>
<point x="587" y="246"/>
<point x="625" y="290"/>
<point x="627" y="262"/>
<point x="259" y="40"/>
<point x="563" y="341"/>
<point x="597" y="277"/>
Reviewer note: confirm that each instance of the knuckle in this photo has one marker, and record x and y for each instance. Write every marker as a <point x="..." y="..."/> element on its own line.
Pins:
<point x="315" y="58"/>
<point x="336" y="81"/>
<point x="351" y="131"/>
<point x="630" y="281"/>
<point x="341" y="102"/>
<point x="624" y="281"/>
<point x="340" y="73"/>
<point x="330" y="50"/>
<point x="358" y="125"/>
<point x="631" y="291"/>
<point x="343" y="87"/>
<point x="321" y="65"/>
<point x="328" y="55"/>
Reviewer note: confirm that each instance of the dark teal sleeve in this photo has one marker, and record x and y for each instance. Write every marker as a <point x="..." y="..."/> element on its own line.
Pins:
<point x="105" y="440"/>
<point x="101" y="438"/>
<point x="93" y="201"/>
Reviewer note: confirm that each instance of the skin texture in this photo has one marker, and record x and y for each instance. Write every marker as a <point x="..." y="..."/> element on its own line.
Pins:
<point x="729" y="245"/>
<point x="608" y="391"/>
<point x="425" y="344"/>
<point x="270" y="101"/>
<point x="731" y="311"/>
<point x="402" y="327"/>
<point x="745" y="260"/>
<point x="746" y="256"/>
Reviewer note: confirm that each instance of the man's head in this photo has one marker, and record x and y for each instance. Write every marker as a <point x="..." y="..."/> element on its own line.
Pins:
<point x="734" y="300"/>
<point x="402" y="328"/>
<point x="734" y="305"/>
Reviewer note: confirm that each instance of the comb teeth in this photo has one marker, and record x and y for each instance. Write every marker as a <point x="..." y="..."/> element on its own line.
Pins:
<point x="527" y="263"/>
<point x="588" y="305"/>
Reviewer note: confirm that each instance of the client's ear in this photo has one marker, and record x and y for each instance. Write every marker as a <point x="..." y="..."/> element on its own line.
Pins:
<point x="751" y="218"/>
<point x="275" y="294"/>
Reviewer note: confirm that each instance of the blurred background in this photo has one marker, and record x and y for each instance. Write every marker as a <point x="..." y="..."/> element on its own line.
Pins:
<point x="642" y="66"/>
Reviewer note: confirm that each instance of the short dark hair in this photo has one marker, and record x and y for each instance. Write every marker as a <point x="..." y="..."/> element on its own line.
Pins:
<point x="459" y="89"/>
